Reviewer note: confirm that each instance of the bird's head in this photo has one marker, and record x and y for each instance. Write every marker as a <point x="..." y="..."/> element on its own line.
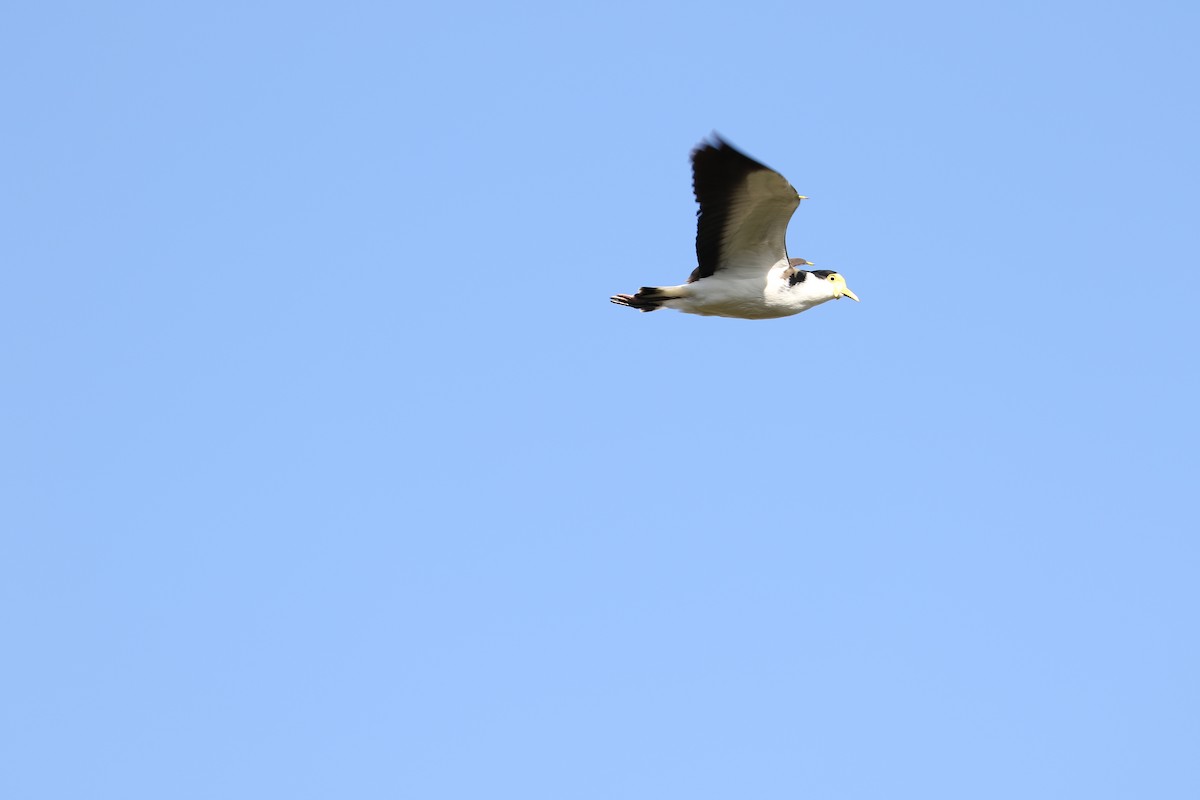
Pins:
<point x="837" y="284"/>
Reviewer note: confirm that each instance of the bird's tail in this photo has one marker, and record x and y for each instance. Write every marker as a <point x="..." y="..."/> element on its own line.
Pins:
<point x="649" y="298"/>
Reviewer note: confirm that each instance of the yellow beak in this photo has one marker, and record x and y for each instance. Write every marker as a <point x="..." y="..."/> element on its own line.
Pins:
<point x="850" y="294"/>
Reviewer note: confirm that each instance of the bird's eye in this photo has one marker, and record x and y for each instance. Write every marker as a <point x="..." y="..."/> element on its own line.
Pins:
<point x="831" y="277"/>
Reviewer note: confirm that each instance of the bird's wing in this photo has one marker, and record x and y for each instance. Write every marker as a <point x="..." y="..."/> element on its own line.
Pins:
<point x="744" y="212"/>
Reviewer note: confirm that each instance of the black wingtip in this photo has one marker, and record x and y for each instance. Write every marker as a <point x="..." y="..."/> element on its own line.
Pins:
<point x="714" y="141"/>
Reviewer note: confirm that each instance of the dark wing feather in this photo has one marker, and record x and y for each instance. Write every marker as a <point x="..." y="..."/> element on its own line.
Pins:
<point x="744" y="211"/>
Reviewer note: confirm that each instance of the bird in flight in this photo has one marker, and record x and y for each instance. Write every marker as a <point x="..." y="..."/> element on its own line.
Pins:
<point x="741" y="227"/>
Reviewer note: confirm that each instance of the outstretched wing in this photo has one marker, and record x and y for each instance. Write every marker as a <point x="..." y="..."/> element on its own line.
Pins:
<point x="744" y="212"/>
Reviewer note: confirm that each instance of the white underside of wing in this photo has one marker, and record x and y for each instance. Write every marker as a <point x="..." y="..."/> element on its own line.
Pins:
<point x="756" y="234"/>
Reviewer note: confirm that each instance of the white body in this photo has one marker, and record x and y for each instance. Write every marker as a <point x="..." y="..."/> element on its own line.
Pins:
<point x="747" y="296"/>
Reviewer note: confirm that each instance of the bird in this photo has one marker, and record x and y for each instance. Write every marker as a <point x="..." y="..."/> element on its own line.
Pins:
<point x="743" y="270"/>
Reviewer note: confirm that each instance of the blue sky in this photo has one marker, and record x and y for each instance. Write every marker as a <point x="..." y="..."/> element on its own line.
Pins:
<point x="328" y="470"/>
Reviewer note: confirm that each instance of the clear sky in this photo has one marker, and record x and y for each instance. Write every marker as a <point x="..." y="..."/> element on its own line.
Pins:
<point x="327" y="469"/>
